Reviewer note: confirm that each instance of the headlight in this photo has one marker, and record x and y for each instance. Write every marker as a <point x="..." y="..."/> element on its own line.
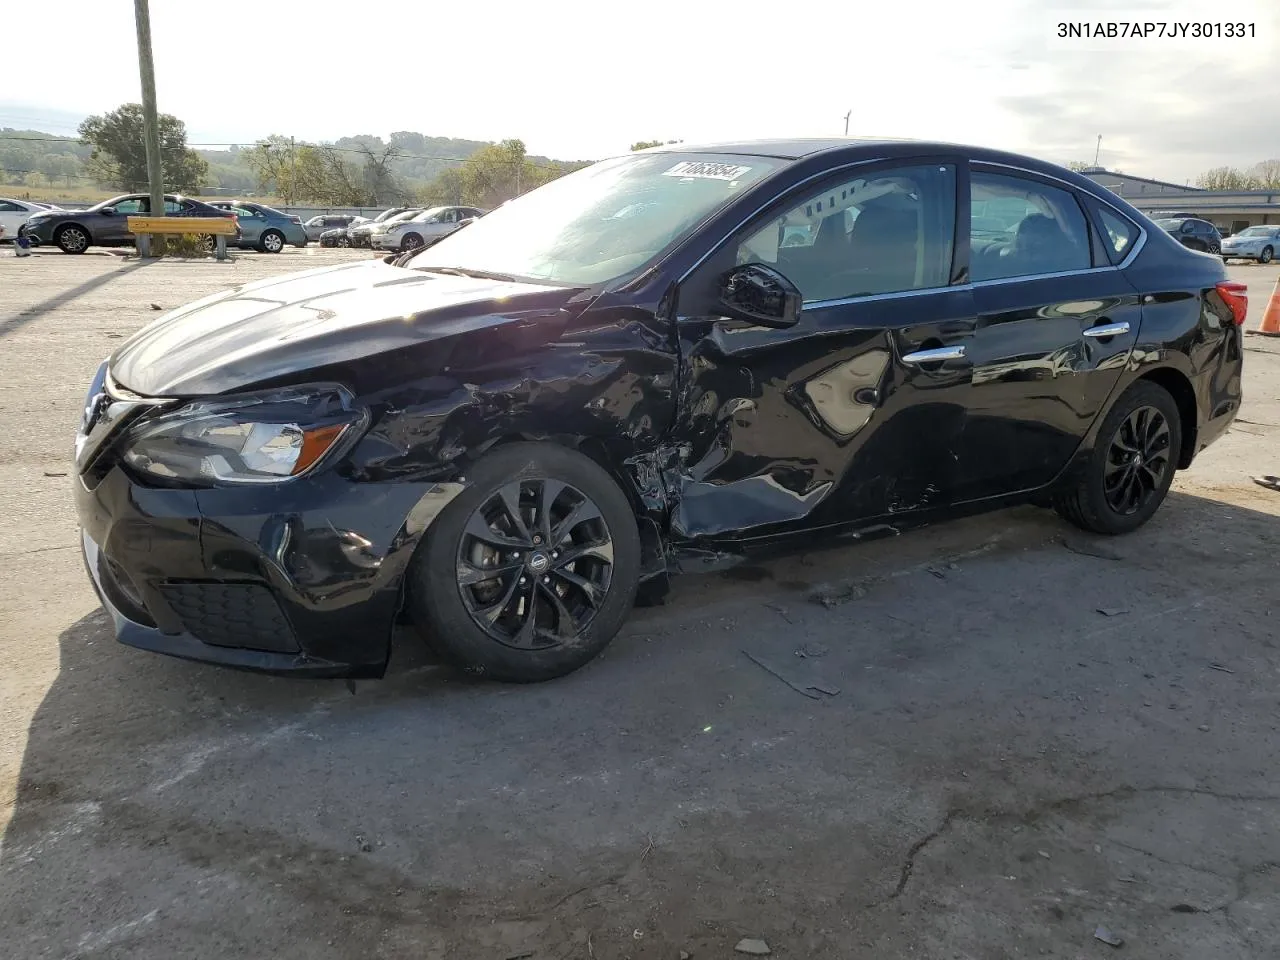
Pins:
<point x="265" y="437"/>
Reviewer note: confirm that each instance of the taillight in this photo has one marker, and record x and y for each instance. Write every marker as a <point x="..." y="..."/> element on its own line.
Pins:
<point x="1236" y="296"/>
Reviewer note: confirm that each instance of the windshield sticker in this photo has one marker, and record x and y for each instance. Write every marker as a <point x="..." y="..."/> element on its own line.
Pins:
<point x="705" y="170"/>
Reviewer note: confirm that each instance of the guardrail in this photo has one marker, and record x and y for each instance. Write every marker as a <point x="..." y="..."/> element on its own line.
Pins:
<point x="144" y="228"/>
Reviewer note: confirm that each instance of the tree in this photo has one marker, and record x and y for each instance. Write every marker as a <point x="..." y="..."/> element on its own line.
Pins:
<point x="119" y="157"/>
<point x="646" y="144"/>
<point x="1226" y="178"/>
<point x="1079" y="166"/>
<point x="1267" y="174"/>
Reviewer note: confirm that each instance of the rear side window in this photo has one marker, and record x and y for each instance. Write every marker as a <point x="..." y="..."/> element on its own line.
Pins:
<point x="887" y="232"/>
<point x="1023" y="228"/>
<point x="1120" y="233"/>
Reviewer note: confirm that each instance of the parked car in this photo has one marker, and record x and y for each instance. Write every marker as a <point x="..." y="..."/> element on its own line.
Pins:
<point x="359" y="234"/>
<point x="512" y="435"/>
<point x="264" y="228"/>
<point x="337" y="237"/>
<point x="423" y="229"/>
<point x="1252" y="243"/>
<point x="14" y="213"/>
<point x="376" y="230"/>
<point x="106" y="224"/>
<point x="319" y="225"/>
<point x="1194" y="233"/>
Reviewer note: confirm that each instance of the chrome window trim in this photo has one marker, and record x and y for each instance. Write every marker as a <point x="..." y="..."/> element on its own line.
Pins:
<point x="869" y="297"/>
<point x="1045" y="276"/>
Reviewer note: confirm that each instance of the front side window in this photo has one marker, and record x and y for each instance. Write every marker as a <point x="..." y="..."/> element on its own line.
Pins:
<point x="601" y="222"/>
<point x="132" y="206"/>
<point x="883" y="232"/>
<point x="1121" y="234"/>
<point x="1023" y="228"/>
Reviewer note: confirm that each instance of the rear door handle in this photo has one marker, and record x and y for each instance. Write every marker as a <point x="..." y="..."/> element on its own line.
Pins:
<point x="937" y="354"/>
<point x="1108" y="330"/>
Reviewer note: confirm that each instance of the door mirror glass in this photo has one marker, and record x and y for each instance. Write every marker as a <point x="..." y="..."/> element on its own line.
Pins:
<point x="760" y="295"/>
<point x="108" y="211"/>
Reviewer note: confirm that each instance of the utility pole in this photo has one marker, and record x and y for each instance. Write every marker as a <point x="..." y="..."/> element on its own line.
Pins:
<point x="293" y="170"/>
<point x="846" y="122"/>
<point x="150" y="120"/>
<point x="1098" y="151"/>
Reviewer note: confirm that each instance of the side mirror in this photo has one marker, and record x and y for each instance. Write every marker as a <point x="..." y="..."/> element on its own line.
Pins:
<point x="108" y="211"/>
<point x="760" y="295"/>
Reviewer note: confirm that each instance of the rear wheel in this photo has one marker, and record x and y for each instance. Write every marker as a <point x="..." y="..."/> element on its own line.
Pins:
<point x="72" y="238"/>
<point x="1266" y="255"/>
<point x="209" y="242"/>
<point x="1132" y="464"/>
<point x="530" y="572"/>
<point x="271" y="241"/>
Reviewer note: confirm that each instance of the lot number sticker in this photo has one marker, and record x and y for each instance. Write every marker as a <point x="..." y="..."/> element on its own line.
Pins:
<point x="706" y="170"/>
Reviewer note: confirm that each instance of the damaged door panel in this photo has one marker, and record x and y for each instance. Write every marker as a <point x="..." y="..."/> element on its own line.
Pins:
<point x="858" y="410"/>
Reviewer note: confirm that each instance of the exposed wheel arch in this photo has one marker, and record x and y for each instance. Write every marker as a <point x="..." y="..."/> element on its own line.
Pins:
<point x="1178" y="386"/>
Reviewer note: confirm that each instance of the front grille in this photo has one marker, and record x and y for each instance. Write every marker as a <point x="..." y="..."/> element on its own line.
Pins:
<point x="231" y="615"/>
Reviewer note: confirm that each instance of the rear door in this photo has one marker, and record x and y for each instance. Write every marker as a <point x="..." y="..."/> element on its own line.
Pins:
<point x="856" y="411"/>
<point x="12" y="216"/>
<point x="1056" y="323"/>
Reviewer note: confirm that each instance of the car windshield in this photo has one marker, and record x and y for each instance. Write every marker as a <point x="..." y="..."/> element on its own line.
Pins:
<point x="601" y="222"/>
<point x="1256" y="232"/>
<point x="427" y="214"/>
<point x="388" y="214"/>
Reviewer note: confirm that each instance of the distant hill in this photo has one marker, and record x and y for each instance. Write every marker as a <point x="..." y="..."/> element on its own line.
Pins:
<point x="50" y="165"/>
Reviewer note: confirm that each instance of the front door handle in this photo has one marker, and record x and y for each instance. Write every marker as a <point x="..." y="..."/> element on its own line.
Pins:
<point x="1108" y="330"/>
<point x="936" y="355"/>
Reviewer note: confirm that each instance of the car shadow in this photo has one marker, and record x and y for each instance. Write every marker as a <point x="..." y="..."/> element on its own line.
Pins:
<point x="113" y="714"/>
<point x="36" y="310"/>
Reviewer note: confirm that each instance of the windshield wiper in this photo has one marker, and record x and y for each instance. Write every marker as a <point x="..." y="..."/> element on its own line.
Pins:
<point x="464" y="272"/>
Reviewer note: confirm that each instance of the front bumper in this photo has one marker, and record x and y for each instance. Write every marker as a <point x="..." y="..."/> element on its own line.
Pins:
<point x="304" y="578"/>
<point x="386" y="241"/>
<point x="1249" y="254"/>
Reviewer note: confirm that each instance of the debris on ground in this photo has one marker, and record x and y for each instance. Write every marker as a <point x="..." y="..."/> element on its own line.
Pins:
<point x="756" y="948"/>
<point x="55" y="473"/>
<point x="1204" y="728"/>
<point x="684" y="955"/>
<point x="1107" y="937"/>
<point x="1220" y="668"/>
<point x="1270" y="482"/>
<point x="1086" y="549"/>
<point x="833" y="594"/>
<point x="811" y="687"/>
<point x="811" y="649"/>
<point x="1112" y="611"/>
<point x="156" y="306"/>
<point x="782" y="611"/>
<point x="365" y="845"/>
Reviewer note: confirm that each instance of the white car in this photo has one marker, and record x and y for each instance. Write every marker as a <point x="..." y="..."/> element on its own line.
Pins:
<point x="424" y="229"/>
<point x="14" y="213"/>
<point x="1260" y="243"/>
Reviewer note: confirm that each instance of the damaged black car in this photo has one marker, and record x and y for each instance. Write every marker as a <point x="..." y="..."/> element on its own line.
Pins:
<point x="669" y="356"/>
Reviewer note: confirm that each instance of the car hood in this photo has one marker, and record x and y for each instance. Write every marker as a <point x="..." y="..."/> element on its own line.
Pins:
<point x="287" y="325"/>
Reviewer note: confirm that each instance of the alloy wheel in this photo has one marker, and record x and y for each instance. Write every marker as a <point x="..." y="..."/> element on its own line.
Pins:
<point x="73" y="240"/>
<point x="535" y="564"/>
<point x="1137" y="461"/>
<point x="272" y="243"/>
<point x="411" y="242"/>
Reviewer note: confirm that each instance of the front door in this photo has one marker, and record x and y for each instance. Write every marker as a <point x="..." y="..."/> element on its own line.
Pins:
<point x="1056" y="323"/>
<point x="857" y="411"/>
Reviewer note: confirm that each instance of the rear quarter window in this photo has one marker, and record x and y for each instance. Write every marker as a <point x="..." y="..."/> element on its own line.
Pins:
<point x="1119" y="234"/>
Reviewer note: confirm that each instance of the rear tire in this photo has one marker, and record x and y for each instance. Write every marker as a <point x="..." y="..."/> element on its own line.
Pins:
<point x="1266" y="255"/>
<point x="271" y="241"/>
<point x="1132" y="464"/>
<point x="552" y="600"/>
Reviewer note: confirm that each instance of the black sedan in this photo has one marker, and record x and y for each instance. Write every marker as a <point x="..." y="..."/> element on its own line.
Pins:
<point x="106" y="224"/>
<point x="513" y="434"/>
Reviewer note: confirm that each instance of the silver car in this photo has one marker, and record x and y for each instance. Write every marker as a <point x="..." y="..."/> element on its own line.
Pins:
<point x="329" y="221"/>
<point x="1259" y="243"/>
<point x="422" y="230"/>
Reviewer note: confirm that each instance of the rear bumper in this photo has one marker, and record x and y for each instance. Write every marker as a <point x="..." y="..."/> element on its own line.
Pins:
<point x="305" y="580"/>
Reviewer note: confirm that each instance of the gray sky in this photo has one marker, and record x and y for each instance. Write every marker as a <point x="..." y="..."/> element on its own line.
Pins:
<point x="578" y="80"/>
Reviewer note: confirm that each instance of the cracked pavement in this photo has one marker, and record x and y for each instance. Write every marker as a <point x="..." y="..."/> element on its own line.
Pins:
<point x="1003" y="770"/>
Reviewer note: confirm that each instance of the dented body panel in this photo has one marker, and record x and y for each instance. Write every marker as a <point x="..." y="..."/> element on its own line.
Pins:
<point x="726" y="436"/>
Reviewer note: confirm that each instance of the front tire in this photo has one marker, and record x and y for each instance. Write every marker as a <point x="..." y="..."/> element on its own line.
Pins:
<point x="529" y="573"/>
<point x="271" y="241"/>
<point x="411" y="242"/>
<point x="1128" y="474"/>
<point x="72" y="238"/>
